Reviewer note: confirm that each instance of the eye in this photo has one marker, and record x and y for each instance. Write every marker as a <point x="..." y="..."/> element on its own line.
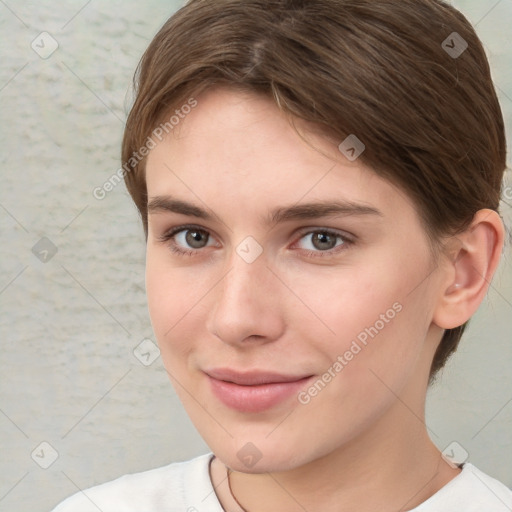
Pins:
<point x="195" y="238"/>
<point x="187" y="240"/>
<point x="322" y="241"/>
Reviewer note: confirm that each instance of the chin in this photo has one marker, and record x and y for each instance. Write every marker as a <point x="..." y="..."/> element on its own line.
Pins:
<point x="275" y="464"/>
<point x="261" y="456"/>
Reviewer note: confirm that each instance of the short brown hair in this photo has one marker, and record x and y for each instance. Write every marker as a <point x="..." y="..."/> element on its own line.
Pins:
<point x="380" y="69"/>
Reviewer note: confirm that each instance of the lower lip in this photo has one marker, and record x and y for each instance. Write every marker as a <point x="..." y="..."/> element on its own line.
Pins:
<point x="255" y="398"/>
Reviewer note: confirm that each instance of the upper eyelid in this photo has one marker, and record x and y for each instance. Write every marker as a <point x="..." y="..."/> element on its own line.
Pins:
<point x="302" y="231"/>
<point x="334" y="231"/>
<point x="178" y="229"/>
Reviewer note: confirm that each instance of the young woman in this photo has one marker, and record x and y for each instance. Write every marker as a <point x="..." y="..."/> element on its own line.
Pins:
<point x="319" y="185"/>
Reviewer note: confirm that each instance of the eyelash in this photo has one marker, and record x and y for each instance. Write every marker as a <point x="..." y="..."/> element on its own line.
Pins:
<point x="169" y="235"/>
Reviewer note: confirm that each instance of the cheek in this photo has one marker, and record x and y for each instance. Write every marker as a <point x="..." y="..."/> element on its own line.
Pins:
<point x="369" y="319"/>
<point x="379" y="333"/>
<point x="171" y="296"/>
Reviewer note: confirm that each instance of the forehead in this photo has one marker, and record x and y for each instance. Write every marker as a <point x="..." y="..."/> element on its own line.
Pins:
<point x="239" y="147"/>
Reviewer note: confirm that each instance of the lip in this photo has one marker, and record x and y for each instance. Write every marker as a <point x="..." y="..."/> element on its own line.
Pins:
<point x="253" y="391"/>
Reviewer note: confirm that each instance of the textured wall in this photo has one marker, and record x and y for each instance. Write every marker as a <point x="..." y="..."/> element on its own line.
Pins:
<point x="70" y="320"/>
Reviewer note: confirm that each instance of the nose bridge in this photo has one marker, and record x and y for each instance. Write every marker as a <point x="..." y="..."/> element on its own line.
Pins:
<point x="245" y="301"/>
<point x="244" y="285"/>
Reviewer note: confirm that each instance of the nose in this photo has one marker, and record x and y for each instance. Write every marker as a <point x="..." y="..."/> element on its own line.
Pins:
<point x="246" y="304"/>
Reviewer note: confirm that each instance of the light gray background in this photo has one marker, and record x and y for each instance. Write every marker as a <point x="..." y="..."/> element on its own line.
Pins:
<point x="69" y="326"/>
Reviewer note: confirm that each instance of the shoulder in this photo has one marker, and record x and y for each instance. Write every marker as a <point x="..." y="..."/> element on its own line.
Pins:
<point x="472" y="491"/>
<point x="495" y="492"/>
<point x="163" y="488"/>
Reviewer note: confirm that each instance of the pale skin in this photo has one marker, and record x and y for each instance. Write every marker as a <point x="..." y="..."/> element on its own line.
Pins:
<point x="361" y="443"/>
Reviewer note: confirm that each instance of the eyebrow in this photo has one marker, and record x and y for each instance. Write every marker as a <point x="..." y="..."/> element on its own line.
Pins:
<point x="301" y="211"/>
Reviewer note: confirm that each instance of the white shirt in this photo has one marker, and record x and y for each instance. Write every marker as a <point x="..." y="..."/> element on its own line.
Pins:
<point x="186" y="487"/>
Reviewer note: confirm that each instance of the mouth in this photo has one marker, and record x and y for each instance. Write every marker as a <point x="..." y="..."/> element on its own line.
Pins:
<point x="253" y="391"/>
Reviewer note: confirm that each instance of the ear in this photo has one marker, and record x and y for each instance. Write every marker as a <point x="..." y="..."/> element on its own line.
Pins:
<point x="472" y="259"/>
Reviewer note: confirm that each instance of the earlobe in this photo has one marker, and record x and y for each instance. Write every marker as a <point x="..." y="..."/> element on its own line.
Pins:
<point x="470" y="269"/>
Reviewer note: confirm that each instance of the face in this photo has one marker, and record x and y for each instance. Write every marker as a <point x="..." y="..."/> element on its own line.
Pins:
<point x="289" y="288"/>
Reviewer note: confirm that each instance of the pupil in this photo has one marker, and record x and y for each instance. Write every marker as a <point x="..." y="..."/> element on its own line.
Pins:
<point x="194" y="239"/>
<point x="324" y="241"/>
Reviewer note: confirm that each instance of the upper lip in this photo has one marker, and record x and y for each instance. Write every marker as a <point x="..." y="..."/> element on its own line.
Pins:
<point x="252" y="377"/>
